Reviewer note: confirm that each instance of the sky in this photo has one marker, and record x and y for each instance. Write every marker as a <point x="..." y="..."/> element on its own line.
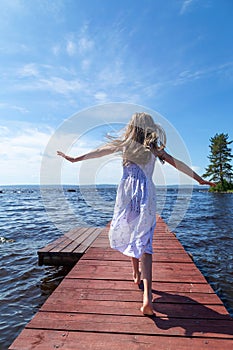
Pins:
<point x="72" y="70"/>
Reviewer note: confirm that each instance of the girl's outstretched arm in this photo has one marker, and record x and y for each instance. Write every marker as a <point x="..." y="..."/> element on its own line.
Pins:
<point x="99" y="152"/>
<point x="182" y="167"/>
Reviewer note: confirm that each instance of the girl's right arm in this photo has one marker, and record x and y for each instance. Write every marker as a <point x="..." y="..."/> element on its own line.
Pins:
<point x="99" y="152"/>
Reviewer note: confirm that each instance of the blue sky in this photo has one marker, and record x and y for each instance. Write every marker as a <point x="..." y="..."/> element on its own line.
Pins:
<point x="60" y="57"/>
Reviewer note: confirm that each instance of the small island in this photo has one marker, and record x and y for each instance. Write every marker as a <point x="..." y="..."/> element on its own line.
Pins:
<point x="220" y="169"/>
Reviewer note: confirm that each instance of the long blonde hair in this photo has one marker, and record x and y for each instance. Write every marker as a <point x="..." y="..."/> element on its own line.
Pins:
<point x="141" y="136"/>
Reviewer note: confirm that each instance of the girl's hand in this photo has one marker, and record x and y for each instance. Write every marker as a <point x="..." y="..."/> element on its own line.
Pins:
<point x="204" y="182"/>
<point x="70" y="159"/>
<point x="59" y="153"/>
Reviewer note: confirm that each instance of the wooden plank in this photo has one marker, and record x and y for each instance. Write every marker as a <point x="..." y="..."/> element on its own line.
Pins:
<point x="109" y="255"/>
<point x="77" y="241"/>
<point x="119" y="270"/>
<point x="132" y="295"/>
<point x="51" y="245"/>
<point x="124" y="324"/>
<point x="71" y="246"/>
<point x="124" y="285"/>
<point x="73" y="239"/>
<point x="126" y="264"/>
<point x="87" y="242"/>
<point x="168" y="245"/>
<point x="67" y="238"/>
<point x="37" y="339"/>
<point x="80" y="235"/>
<point x="68" y="249"/>
<point x="63" y="238"/>
<point x="132" y="308"/>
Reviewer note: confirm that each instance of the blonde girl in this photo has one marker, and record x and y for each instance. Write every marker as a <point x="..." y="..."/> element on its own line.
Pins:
<point x="134" y="218"/>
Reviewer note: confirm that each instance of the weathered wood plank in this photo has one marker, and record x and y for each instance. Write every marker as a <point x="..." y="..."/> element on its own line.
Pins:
<point x="87" y="242"/>
<point x="121" y="270"/>
<point x="124" y="324"/>
<point x="132" y="308"/>
<point x="68" y="249"/>
<point x="76" y="241"/>
<point x="80" y="243"/>
<point x="51" y="245"/>
<point x="60" y="240"/>
<point x="109" y="254"/>
<point x="95" y="284"/>
<point x="78" y="237"/>
<point x="76" y="293"/>
<point x="37" y="339"/>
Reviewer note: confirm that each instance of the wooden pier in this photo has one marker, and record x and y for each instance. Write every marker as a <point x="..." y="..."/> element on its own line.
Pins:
<point x="68" y="249"/>
<point x="97" y="306"/>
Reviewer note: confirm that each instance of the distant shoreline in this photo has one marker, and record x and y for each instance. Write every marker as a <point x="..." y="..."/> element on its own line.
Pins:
<point x="99" y="185"/>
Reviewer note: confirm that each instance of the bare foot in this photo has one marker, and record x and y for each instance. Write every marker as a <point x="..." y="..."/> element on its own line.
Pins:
<point x="147" y="307"/>
<point x="147" y="310"/>
<point x="137" y="277"/>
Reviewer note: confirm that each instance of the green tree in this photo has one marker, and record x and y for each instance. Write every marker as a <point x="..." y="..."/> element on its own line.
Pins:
<point x="220" y="168"/>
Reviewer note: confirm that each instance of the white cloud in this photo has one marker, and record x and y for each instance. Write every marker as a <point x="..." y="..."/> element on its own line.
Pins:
<point x="56" y="49"/>
<point x="71" y="47"/>
<point x="8" y="106"/>
<point x="28" y="70"/>
<point x="85" y="44"/>
<point x="112" y="74"/>
<point x="3" y="130"/>
<point x="85" y="64"/>
<point x="55" y="79"/>
<point x="194" y="73"/>
<point x="75" y="44"/>
<point x="101" y="97"/>
<point x="59" y="85"/>
<point x="110" y="82"/>
<point x="186" y="5"/>
<point x="14" y="48"/>
<point x="21" y="153"/>
<point x="53" y="84"/>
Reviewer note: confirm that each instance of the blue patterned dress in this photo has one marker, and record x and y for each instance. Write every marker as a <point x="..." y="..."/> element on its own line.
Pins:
<point x="134" y="219"/>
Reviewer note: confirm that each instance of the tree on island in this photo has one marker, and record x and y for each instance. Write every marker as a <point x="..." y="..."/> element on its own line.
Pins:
<point x="220" y="168"/>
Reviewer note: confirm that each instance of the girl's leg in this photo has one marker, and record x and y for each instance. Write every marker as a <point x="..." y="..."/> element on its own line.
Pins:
<point x="136" y="272"/>
<point x="146" y="263"/>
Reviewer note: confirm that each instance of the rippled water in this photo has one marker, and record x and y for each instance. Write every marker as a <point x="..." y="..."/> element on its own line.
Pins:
<point x="205" y="231"/>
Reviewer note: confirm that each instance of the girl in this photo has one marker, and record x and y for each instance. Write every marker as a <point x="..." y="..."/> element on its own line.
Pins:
<point x="134" y="219"/>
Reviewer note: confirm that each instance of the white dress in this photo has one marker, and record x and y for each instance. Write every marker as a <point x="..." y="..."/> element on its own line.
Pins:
<point x="134" y="219"/>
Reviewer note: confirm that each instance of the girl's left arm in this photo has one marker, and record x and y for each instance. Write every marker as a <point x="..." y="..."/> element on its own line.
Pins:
<point x="99" y="152"/>
<point x="182" y="167"/>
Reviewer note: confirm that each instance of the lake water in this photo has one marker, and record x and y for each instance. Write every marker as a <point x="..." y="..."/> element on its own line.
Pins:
<point x="202" y="222"/>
